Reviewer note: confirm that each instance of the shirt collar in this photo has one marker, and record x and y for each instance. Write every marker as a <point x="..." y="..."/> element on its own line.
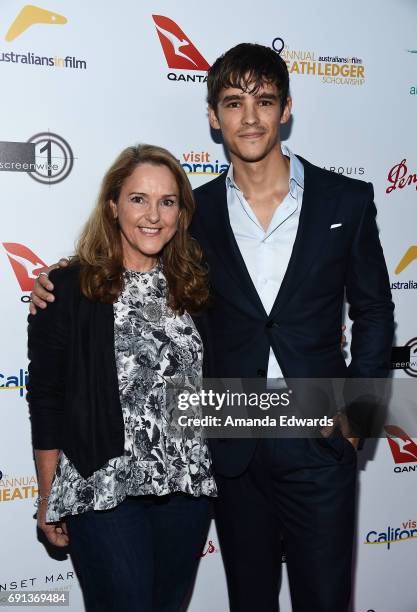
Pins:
<point x="296" y="173"/>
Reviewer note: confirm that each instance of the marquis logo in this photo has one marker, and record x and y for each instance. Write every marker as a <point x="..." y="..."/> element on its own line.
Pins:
<point x="180" y="52"/>
<point x="330" y="69"/>
<point x="346" y="170"/>
<point x="46" y="157"/>
<point x="25" y="264"/>
<point x="31" y="15"/>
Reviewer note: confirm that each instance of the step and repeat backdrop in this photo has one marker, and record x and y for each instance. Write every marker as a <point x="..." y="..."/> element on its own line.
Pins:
<point x="81" y="81"/>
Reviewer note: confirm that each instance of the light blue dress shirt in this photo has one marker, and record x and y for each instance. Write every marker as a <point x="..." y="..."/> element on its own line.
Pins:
<point x="267" y="253"/>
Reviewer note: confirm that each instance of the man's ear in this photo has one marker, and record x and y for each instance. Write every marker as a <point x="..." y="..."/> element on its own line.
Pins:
<point x="113" y="207"/>
<point x="214" y="122"/>
<point x="286" y="113"/>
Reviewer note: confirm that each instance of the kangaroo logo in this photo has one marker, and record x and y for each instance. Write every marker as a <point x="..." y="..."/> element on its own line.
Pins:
<point x="30" y="15"/>
<point x="178" y="49"/>
<point x="405" y="449"/>
<point x="26" y="265"/>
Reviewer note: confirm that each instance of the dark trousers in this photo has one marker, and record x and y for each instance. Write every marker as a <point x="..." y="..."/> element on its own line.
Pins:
<point x="302" y="491"/>
<point x="140" y="556"/>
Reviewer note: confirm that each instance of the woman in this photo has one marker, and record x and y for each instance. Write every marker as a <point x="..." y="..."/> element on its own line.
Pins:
<point x="130" y="498"/>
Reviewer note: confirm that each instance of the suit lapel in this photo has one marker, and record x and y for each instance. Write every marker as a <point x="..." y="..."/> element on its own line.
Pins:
<point x="225" y="244"/>
<point x="315" y="219"/>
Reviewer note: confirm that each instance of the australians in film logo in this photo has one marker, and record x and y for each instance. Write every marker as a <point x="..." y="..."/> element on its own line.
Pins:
<point x="46" y="157"/>
<point x="407" y="262"/>
<point x="180" y="52"/>
<point x="403" y="449"/>
<point x="28" y="17"/>
<point x="25" y="264"/>
<point x="329" y="68"/>
<point x="15" y="488"/>
<point x="201" y="162"/>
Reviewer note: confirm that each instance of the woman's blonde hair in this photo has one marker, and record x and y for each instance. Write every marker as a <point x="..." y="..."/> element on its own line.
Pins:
<point x="99" y="249"/>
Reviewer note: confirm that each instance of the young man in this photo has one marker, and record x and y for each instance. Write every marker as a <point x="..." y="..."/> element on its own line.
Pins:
<point x="284" y="241"/>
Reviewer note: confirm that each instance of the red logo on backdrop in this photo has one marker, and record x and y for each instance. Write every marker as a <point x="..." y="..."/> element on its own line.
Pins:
<point x="26" y="265"/>
<point x="399" y="177"/>
<point x="178" y="49"/>
<point x="209" y="550"/>
<point x="404" y="450"/>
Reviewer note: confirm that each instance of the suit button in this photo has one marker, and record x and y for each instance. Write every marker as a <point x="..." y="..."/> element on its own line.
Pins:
<point x="271" y="323"/>
<point x="261" y="373"/>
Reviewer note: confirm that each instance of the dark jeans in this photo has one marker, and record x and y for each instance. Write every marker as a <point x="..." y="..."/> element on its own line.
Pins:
<point x="140" y="556"/>
<point x="301" y="491"/>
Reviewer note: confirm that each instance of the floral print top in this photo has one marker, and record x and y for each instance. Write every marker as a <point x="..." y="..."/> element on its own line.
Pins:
<point x="153" y="346"/>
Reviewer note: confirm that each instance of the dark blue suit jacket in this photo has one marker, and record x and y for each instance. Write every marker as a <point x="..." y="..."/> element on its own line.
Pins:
<point x="304" y="326"/>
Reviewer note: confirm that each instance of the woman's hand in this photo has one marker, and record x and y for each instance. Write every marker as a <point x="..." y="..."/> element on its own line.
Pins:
<point x="56" y="533"/>
<point x="42" y="289"/>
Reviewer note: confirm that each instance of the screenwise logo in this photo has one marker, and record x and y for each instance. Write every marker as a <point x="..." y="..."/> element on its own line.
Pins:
<point x="46" y="157"/>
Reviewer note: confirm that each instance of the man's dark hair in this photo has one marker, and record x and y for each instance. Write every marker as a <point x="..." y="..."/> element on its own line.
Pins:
<point x="248" y="66"/>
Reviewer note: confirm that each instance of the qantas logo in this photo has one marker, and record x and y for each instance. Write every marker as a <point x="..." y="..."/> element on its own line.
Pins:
<point x="180" y="52"/>
<point x="403" y="448"/>
<point x="26" y="265"/>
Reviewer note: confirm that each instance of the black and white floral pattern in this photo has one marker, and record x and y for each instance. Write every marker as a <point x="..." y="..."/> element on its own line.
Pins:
<point x="153" y="346"/>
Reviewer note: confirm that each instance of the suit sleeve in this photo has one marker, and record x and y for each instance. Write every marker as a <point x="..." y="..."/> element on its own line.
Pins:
<point x="369" y="296"/>
<point x="47" y="351"/>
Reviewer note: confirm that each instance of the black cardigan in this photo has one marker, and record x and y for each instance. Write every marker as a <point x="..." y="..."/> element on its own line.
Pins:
<point x="73" y="389"/>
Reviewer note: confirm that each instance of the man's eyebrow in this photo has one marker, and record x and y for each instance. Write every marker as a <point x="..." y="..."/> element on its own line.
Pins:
<point x="232" y="97"/>
<point x="238" y="97"/>
<point x="266" y="96"/>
